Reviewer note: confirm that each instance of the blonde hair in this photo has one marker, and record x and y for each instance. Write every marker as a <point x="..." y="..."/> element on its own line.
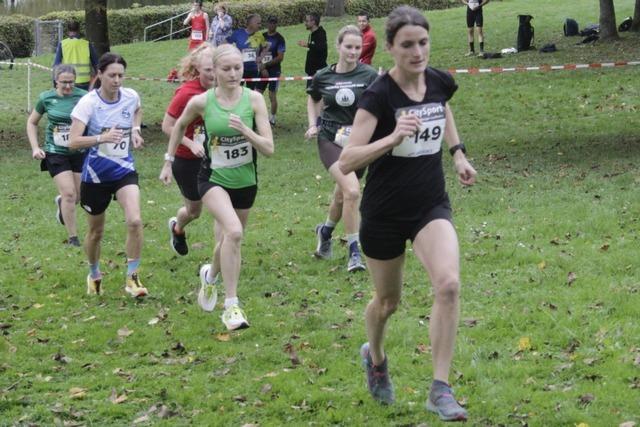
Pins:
<point x="189" y="64"/>
<point x="224" y="49"/>
<point x="220" y="5"/>
<point x="347" y="30"/>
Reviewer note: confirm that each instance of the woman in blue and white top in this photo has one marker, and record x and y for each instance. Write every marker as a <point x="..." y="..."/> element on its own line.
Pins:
<point x="107" y="121"/>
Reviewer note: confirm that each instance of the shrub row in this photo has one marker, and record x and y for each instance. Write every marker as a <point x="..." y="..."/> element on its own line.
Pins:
<point x="127" y="25"/>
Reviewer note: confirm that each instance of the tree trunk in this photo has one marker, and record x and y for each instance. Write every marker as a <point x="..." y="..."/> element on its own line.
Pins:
<point x="635" y="26"/>
<point x="608" y="30"/>
<point x="97" y="25"/>
<point x="335" y="8"/>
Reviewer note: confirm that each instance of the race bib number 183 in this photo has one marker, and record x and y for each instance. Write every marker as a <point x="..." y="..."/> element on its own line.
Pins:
<point x="230" y="152"/>
<point x="428" y="139"/>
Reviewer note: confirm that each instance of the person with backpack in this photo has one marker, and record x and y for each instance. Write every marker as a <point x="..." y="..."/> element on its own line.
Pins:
<point x="475" y="18"/>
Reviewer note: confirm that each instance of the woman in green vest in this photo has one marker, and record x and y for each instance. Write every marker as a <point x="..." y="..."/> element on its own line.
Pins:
<point x="237" y="125"/>
<point x="63" y="164"/>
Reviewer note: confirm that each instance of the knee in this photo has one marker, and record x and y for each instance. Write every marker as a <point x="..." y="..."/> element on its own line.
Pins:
<point x="233" y="236"/>
<point x="447" y="290"/>
<point x="134" y="223"/>
<point x="388" y="306"/>
<point x="351" y="194"/>
<point x="95" y="234"/>
<point x="69" y="196"/>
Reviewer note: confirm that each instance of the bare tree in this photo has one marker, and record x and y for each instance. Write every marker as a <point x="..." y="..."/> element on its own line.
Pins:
<point x="334" y="8"/>
<point x="97" y="25"/>
<point x="608" y="30"/>
<point x="635" y="26"/>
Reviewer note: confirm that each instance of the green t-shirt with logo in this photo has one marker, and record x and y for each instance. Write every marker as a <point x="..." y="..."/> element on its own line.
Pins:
<point x="340" y="93"/>
<point x="230" y="157"/>
<point x="58" y="109"/>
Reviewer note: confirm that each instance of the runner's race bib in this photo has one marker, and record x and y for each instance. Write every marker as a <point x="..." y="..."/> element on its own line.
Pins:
<point x="61" y="135"/>
<point x="196" y="35"/>
<point x="267" y="58"/>
<point x="474" y="4"/>
<point x="342" y="136"/>
<point x="230" y="152"/>
<point x="428" y="139"/>
<point x="116" y="149"/>
<point x="199" y="136"/>
<point x="248" y="55"/>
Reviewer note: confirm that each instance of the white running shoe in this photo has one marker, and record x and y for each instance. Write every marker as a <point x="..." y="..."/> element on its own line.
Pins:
<point x="234" y="318"/>
<point x="208" y="294"/>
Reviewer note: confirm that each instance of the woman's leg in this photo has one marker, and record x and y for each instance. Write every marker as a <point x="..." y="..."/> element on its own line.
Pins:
<point x="69" y="190"/>
<point x="187" y="213"/>
<point x="349" y="187"/>
<point x="129" y="198"/>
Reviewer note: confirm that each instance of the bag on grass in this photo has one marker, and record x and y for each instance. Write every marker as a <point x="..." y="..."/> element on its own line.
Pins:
<point x="590" y="30"/>
<point x="526" y="33"/>
<point x="626" y="24"/>
<point x="571" y="27"/>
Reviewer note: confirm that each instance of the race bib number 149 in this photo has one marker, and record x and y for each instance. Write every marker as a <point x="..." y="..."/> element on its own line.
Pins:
<point x="428" y="139"/>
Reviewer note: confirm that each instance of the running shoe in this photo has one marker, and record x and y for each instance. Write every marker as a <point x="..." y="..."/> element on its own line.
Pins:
<point x="234" y="318"/>
<point x="208" y="294"/>
<point x="94" y="286"/>
<point x="470" y="53"/>
<point x="134" y="287"/>
<point x="323" y="250"/>
<point x="355" y="263"/>
<point x="272" y="120"/>
<point x="73" y="241"/>
<point x="178" y="241"/>
<point x="378" y="380"/>
<point x="58" y="201"/>
<point x="442" y="402"/>
<point x="481" y="54"/>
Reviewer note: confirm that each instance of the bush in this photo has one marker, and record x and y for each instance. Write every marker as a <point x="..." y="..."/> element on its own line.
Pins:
<point x="16" y="31"/>
<point x="378" y="8"/>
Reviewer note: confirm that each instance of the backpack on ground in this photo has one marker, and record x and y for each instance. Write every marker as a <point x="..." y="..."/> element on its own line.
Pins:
<point x="526" y="33"/>
<point x="590" y="30"/>
<point x="626" y="24"/>
<point x="571" y="27"/>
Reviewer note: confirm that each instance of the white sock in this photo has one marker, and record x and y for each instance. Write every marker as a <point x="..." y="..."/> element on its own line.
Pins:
<point x="330" y="224"/>
<point x="228" y="302"/>
<point x="352" y="238"/>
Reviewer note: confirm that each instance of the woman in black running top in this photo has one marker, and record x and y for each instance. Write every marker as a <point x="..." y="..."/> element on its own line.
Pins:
<point x="397" y="132"/>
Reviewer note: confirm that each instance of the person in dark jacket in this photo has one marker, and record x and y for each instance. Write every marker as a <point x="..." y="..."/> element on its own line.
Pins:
<point x="317" y="45"/>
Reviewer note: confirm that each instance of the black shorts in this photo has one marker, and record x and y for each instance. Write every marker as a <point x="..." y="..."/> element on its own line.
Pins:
<point x="250" y="74"/>
<point x="385" y="240"/>
<point x="56" y="163"/>
<point x="330" y="153"/>
<point x="273" y="86"/>
<point x="241" y="198"/>
<point x="95" y="198"/>
<point x="474" y="17"/>
<point x="185" y="172"/>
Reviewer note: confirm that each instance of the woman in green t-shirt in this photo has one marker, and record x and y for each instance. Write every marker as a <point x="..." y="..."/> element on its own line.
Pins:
<point x="63" y="164"/>
<point x="227" y="181"/>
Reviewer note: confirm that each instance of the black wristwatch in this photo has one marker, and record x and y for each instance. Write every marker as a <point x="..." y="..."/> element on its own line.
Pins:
<point x="457" y="147"/>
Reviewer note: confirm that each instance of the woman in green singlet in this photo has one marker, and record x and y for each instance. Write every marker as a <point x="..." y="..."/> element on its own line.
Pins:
<point x="227" y="181"/>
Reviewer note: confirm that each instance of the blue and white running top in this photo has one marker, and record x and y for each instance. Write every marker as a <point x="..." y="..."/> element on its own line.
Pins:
<point x="108" y="162"/>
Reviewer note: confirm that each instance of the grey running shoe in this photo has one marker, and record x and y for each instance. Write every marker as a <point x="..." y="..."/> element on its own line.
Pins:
<point x="378" y="380"/>
<point x="470" y="53"/>
<point x="58" y="201"/>
<point x="355" y="263"/>
<point x="442" y="402"/>
<point x="73" y="241"/>
<point x="323" y="250"/>
<point x="178" y="241"/>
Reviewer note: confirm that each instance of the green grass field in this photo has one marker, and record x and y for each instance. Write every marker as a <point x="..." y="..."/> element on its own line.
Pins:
<point x="549" y="246"/>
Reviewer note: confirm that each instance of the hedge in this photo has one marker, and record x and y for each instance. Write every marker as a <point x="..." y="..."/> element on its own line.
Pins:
<point x="17" y="32"/>
<point x="127" y="25"/>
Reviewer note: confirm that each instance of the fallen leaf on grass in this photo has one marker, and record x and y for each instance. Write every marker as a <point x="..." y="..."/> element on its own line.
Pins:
<point x="266" y="388"/>
<point x="293" y="356"/>
<point x="77" y="392"/>
<point x="142" y="419"/>
<point x="60" y="357"/>
<point x="524" y="344"/>
<point x="604" y="247"/>
<point x="37" y="305"/>
<point x="115" y="399"/>
<point x="153" y="321"/>
<point x="586" y="399"/>
<point x="422" y="348"/>
<point x="470" y="322"/>
<point x="627" y="424"/>
<point x="571" y="277"/>
<point x="542" y="265"/>
<point x="224" y="337"/>
<point x="590" y="361"/>
<point x="124" y="332"/>
<point x="582" y="425"/>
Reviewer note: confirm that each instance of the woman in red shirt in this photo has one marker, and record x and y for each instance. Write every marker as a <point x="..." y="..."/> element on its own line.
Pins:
<point x="199" y="21"/>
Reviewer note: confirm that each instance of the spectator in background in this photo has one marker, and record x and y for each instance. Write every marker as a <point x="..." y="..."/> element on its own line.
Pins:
<point x="79" y="53"/>
<point x="199" y="21"/>
<point x="250" y="42"/>
<point x="317" y="45"/>
<point x="369" y="41"/>
<point x="475" y="18"/>
<point x="220" y="25"/>
<point x="270" y="65"/>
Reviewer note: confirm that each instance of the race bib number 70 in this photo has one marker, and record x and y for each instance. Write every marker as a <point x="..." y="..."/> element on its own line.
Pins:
<point x="428" y="139"/>
<point x="116" y="149"/>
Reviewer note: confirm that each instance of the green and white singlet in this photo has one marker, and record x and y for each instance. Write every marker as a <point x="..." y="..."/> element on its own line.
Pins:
<point x="58" y="109"/>
<point x="230" y="158"/>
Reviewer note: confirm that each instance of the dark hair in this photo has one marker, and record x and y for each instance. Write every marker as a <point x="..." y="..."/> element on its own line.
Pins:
<point x="363" y="13"/>
<point x="110" y="58"/>
<point x="73" y="26"/>
<point x="315" y="17"/>
<point x="401" y="16"/>
<point x="199" y="2"/>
